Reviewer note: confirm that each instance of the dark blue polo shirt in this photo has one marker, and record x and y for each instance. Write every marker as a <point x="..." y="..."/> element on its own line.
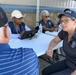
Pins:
<point x="48" y="24"/>
<point x="13" y="28"/>
<point x="69" y="48"/>
<point x="21" y="61"/>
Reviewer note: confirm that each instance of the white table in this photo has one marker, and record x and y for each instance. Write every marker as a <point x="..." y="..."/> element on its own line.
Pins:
<point x="39" y="44"/>
<point x="51" y="33"/>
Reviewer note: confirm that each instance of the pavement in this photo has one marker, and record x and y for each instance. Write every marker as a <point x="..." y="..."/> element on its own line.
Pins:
<point x="44" y="63"/>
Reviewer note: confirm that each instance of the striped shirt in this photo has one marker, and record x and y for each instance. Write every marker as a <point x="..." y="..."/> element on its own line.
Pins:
<point x="21" y="61"/>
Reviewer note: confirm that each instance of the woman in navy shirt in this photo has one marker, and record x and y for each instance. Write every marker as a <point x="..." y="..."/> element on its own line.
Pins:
<point x="68" y="35"/>
<point x="47" y="25"/>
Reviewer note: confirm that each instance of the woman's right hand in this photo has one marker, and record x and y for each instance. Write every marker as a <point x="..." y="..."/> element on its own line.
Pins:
<point x="49" y="53"/>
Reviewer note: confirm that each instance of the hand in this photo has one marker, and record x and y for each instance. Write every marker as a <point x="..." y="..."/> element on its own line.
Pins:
<point x="73" y="73"/>
<point x="49" y="53"/>
<point x="22" y="32"/>
<point x="55" y="29"/>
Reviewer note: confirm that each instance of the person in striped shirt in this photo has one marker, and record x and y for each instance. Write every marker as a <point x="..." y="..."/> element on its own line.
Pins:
<point x="21" y="61"/>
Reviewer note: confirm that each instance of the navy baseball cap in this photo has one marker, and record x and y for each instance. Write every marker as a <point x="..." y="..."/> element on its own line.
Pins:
<point x="69" y="13"/>
<point x="3" y="17"/>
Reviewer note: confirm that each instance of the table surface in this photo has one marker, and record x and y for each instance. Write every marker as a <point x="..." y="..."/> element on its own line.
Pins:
<point x="39" y="44"/>
<point x="51" y="33"/>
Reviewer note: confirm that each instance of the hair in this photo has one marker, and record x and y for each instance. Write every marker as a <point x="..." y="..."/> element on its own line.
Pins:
<point x="67" y="9"/>
<point x="44" y="12"/>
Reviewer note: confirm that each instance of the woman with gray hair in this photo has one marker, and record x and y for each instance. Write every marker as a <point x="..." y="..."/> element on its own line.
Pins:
<point x="47" y="25"/>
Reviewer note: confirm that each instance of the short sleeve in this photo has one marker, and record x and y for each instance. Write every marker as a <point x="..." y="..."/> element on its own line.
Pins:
<point x="60" y="34"/>
<point x="52" y="23"/>
<point x="41" y="22"/>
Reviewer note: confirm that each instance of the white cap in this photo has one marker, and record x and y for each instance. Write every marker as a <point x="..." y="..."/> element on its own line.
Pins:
<point x="17" y="14"/>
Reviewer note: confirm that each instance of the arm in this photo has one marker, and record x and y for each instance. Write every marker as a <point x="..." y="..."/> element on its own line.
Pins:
<point x="53" y="43"/>
<point x="55" y="28"/>
<point x="26" y="28"/>
<point x="47" y="29"/>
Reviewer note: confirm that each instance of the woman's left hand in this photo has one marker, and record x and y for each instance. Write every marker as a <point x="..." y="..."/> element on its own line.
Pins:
<point x="73" y="73"/>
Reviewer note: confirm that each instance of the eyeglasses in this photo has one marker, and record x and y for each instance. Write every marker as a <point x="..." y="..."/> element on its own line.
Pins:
<point x="46" y="16"/>
<point x="65" y="21"/>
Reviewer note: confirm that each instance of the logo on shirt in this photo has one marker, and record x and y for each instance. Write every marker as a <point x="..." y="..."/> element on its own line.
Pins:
<point x="49" y="23"/>
<point x="73" y="44"/>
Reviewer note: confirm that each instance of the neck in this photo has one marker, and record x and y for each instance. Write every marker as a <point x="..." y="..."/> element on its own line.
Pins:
<point x="16" y="24"/>
<point x="45" y="21"/>
<point x="71" y="32"/>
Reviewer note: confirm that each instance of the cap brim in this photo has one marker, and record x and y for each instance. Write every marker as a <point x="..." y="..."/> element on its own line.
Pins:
<point x="18" y="16"/>
<point x="64" y="14"/>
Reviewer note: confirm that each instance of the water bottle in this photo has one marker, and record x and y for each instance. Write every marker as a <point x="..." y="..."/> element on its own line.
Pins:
<point x="40" y="29"/>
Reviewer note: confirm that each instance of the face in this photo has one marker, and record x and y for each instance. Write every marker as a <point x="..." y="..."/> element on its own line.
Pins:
<point x="45" y="17"/>
<point x="18" y="20"/>
<point x="68" y="24"/>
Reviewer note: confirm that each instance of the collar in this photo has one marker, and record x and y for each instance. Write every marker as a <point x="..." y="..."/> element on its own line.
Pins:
<point x="44" y="21"/>
<point x="74" y="35"/>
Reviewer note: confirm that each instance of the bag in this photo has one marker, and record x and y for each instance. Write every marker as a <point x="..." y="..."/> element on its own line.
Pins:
<point x="30" y="33"/>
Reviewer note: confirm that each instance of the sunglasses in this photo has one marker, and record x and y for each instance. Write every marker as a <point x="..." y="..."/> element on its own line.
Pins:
<point x="46" y="16"/>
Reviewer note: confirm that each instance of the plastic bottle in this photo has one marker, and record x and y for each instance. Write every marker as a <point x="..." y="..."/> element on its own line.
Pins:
<point x="40" y="28"/>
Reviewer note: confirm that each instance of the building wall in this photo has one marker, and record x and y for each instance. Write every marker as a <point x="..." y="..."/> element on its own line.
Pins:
<point x="28" y="7"/>
<point x="19" y="2"/>
<point x="49" y="3"/>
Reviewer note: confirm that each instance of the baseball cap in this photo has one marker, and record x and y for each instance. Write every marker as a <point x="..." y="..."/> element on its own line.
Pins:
<point x="69" y="13"/>
<point x="3" y="17"/>
<point x="17" y="14"/>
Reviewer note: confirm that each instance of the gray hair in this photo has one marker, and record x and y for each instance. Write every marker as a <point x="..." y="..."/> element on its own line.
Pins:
<point x="44" y="12"/>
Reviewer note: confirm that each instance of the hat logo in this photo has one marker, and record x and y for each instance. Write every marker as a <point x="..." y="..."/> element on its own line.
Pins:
<point x="68" y="11"/>
<point x="73" y="44"/>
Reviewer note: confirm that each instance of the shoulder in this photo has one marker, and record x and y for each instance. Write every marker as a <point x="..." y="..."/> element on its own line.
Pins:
<point x="62" y="34"/>
<point x="10" y="22"/>
<point x="27" y="51"/>
<point x="50" y="21"/>
<point x="40" y="21"/>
